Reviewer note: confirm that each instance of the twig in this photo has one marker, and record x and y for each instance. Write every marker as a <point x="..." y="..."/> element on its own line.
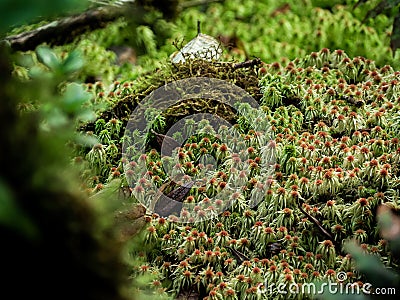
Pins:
<point x="248" y="63"/>
<point x="168" y="142"/>
<point x="193" y="3"/>
<point x="239" y="256"/>
<point x="318" y="224"/>
<point x="355" y="102"/>
<point x="164" y="206"/>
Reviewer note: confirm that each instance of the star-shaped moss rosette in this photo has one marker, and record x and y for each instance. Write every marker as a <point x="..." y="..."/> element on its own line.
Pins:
<point x="336" y="123"/>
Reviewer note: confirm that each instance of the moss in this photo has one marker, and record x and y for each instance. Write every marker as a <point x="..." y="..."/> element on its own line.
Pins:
<point x="334" y="118"/>
<point x="328" y="178"/>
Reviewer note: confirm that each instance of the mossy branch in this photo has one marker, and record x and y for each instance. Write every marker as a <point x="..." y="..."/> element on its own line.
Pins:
<point x="63" y="31"/>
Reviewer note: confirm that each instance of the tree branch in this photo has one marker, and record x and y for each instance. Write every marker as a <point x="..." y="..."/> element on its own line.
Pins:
<point x="65" y="30"/>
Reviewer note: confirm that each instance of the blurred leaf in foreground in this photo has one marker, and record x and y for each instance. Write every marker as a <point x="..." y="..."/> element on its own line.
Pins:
<point x="371" y="267"/>
<point x="12" y="216"/>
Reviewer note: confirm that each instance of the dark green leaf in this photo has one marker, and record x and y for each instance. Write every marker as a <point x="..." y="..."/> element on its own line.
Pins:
<point x="86" y="115"/>
<point x="85" y="140"/>
<point x="56" y="118"/>
<point x="72" y="63"/>
<point x="47" y="57"/>
<point x="75" y="96"/>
